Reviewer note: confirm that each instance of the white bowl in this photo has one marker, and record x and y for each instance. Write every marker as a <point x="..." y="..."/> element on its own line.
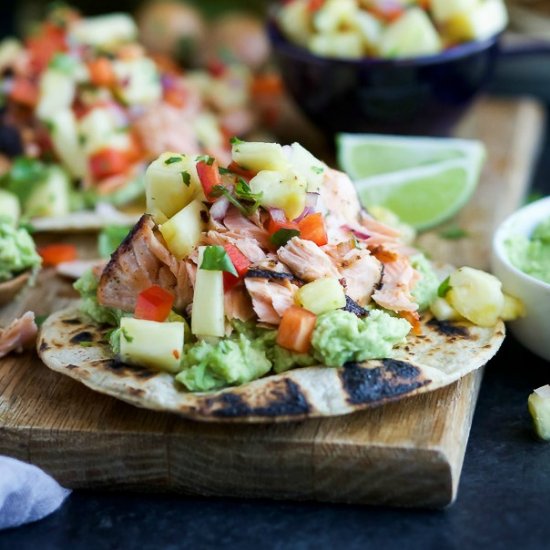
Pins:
<point x="533" y="330"/>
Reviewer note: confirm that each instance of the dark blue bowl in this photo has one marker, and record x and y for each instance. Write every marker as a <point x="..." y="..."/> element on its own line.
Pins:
<point x="417" y="96"/>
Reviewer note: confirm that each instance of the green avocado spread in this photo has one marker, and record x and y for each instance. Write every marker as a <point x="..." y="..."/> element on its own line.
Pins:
<point x="17" y="252"/>
<point x="252" y="352"/>
<point x="532" y="255"/>
<point x="87" y="287"/>
<point x="425" y="290"/>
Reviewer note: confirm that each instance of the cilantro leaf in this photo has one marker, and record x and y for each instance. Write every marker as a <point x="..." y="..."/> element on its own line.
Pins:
<point x="282" y="236"/>
<point x="186" y="177"/>
<point x="235" y="140"/>
<point x="171" y="160"/>
<point x="215" y="258"/>
<point x="444" y="287"/>
<point x="454" y="233"/>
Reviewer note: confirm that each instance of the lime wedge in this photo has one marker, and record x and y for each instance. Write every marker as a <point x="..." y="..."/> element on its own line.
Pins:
<point x="365" y="155"/>
<point x="423" y="180"/>
<point x="424" y="196"/>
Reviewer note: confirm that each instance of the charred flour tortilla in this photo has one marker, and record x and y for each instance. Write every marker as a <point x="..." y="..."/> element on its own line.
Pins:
<point x="70" y="344"/>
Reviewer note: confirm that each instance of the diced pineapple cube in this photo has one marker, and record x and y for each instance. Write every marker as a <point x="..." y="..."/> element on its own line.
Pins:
<point x="539" y="408"/>
<point x="151" y="344"/>
<point x="443" y="311"/>
<point x="10" y="211"/>
<point x="513" y="308"/>
<point x="183" y="231"/>
<point x="50" y="198"/>
<point x="346" y="44"/>
<point x="413" y="34"/>
<point x="308" y="167"/>
<point x="281" y="190"/>
<point x="322" y="295"/>
<point x="483" y="21"/>
<point x="10" y="49"/>
<point x="295" y="21"/>
<point x="57" y="90"/>
<point x="369" y="27"/>
<point x="171" y="182"/>
<point x="476" y="295"/>
<point x="99" y="129"/>
<point x="104" y="30"/>
<point x="335" y="15"/>
<point x="208" y="315"/>
<point x="64" y="136"/>
<point x="443" y="10"/>
<point x="138" y="81"/>
<point x="257" y="155"/>
<point x="208" y="131"/>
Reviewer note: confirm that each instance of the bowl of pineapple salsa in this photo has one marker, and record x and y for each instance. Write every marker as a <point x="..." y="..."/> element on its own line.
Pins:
<point x="399" y="66"/>
<point x="521" y="260"/>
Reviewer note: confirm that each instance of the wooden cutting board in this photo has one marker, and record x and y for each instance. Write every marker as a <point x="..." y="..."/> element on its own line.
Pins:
<point x="408" y="453"/>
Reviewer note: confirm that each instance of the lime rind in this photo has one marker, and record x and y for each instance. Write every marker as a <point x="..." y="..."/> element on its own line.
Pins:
<point x="424" y="196"/>
<point x="366" y="155"/>
<point x="423" y="180"/>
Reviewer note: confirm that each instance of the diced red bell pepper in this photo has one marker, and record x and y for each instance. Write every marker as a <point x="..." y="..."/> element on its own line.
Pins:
<point x="268" y="85"/>
<point x="239" y="171"/>
<point x="388" y="13"/>
<point x="312" y="228"/>
<point x="54" y="254"/>
<point x="296" y="329"/>
<point x="277" y="222"/>
<point x="43" y="45"/>
<point x="108" y="162"/>
<point x="101" y="72"/>
<point x="24" y="91"/>
<point x="315" y="5"/>
<point x="154" y="304"/>
<point x="241" y="264"/>
<point x="209" y="176"/>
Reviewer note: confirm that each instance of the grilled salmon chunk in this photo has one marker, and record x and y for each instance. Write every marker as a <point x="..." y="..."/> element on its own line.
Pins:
<point x="141" y="261"/>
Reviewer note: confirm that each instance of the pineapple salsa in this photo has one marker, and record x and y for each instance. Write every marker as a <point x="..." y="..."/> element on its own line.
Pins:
<point x="266" y="265"/>
<point x="389" y="28"/>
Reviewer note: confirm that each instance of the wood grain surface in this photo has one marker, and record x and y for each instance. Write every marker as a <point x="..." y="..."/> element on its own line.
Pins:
<point x="408" y="453"/>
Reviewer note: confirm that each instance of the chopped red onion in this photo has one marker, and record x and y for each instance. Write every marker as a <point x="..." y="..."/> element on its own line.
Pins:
<point x="219" y="209"/>
<point x="311" y="206"/>
<point x="356" y="232"/>
<point x="277" y="214"/>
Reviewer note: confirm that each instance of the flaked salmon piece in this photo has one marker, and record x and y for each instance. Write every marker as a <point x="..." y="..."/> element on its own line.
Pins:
<point x="248" y="246"/>
<point x="167" y="128"/>
<point x="142" y="260"/>
<point x="398" y="280"/>
<point x="361" y="273"/>
<point x="339" y="197"/>
<point x="374" y="226"/>
<point x="18" y="335"/>
<point x="270" y="299"/>
<point x="271" y="263"/>
<point x="237" y="304"/>
<point x="242" y="227"/>
<point x="306" y="260"/>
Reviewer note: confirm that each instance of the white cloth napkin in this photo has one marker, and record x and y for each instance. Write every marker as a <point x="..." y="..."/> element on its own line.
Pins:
<point x="26" y="493"/>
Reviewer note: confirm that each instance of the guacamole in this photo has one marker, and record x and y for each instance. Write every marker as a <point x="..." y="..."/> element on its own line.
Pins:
<point x="425" y="290"/>
<point x="87" y="287"/>
<point x="251" y="352"/>
<point x="340" y="336"/>
<point x="532" y="255"/>
<point x="17" y="252"/>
